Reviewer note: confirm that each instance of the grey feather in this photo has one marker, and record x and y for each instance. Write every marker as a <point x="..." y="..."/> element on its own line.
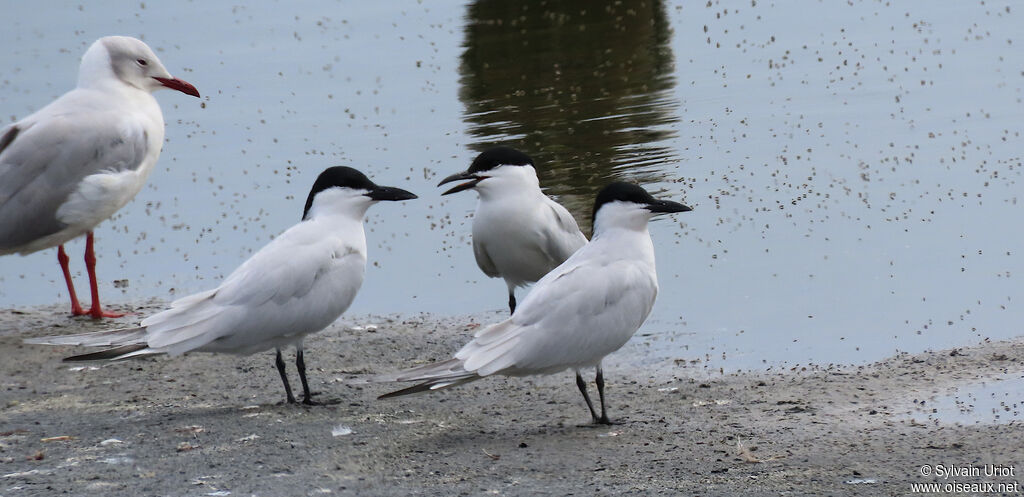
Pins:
<point x="42" y="163"/>
<point x="8" y="137"/>
<point x="483" y="259"/>
<point x="122" y="336"/>
<point x="434" y="376"/>
<point x="429" y="386"/>
<point x="107" y="354"/>
<point x="122" y="341"/>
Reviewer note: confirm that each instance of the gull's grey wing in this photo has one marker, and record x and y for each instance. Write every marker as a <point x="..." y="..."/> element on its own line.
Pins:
<point x="42" y="162"/>
<point x="8" y="136"/>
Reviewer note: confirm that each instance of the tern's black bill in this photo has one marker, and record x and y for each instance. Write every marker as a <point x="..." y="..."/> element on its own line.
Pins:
<point x="667" y="206"/>
<point x="390" y="193"/>
<point x="472" y="177"/>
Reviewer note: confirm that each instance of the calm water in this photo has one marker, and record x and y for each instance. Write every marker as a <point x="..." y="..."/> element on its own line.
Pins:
<point x="854" y="168"/>
<point x="997" y="400"/>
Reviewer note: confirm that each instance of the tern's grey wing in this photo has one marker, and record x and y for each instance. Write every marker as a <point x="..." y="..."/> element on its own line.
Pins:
<point x="573" y="317"/>
<point x="562" y="236"/>
<point x="294" y="285"/>
<point x="483" y="259"/>
<point x="42" y="162"/>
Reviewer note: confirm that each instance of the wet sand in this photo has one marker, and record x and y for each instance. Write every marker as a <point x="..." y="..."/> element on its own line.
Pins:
<point x="215" y="425"/>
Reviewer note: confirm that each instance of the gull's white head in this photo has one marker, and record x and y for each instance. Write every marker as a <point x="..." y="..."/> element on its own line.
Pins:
<point x="129" y="61"/>
<point x="625" y="205"/>
<point x="344" y="190"/>
<point x="497" y="170"/>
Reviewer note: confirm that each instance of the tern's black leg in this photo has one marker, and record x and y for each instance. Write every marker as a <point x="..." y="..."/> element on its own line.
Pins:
<point x="511" y="302"/>
<point x="300" y="363"/>
<point x="284" y="377"/>
<point x="583" y="389"/>
<point x="600" y="390"/>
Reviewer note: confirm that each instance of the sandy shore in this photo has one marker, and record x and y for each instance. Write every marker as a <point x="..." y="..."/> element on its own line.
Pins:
<point x="215" y="425"/>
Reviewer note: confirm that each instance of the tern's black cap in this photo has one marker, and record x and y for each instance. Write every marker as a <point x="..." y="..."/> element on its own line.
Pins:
<point x="347" y="177"/>
<point x="629" y="192"/>
<point x="623" y="192"/>
<point x="338" y="176"/>
<point x="499" y="156"/>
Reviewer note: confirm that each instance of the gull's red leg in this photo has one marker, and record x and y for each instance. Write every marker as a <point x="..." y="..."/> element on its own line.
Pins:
<point x="62" y="258"/>
<point x="90" y="265"/>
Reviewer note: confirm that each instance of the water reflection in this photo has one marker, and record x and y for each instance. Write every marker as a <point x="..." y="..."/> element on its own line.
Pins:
<point x="584" y="87"/>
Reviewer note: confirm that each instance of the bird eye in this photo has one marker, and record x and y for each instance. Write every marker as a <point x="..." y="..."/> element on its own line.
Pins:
<point x="142" y="62"/>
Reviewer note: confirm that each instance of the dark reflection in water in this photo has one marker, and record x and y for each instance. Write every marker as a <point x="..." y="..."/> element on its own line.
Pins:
<point x="583" y="86"/>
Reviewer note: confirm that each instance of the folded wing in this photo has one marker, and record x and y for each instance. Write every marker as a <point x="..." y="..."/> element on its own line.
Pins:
<point x="43" y="160"/>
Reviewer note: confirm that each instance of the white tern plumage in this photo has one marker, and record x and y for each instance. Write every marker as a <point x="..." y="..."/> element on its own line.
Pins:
<point x="519" y="233"/>
<point x="578" y="313"/>
<point x="297" y="284"/>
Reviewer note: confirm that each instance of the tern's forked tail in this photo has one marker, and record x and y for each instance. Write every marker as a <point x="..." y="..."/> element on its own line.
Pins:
<point x="123" y="343"/>
<point x="113" y="353"/>
<point x="435" y="376"/>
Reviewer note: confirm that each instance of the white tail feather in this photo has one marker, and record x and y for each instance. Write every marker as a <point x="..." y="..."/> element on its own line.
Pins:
<point x="109" y="338"/>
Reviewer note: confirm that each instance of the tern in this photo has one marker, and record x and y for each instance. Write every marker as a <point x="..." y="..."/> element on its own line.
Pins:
<point x="519" y="233"/>
<point x="297" y="284"/>
<point x="72" y="164"/>
<point x="577" y="314"/>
